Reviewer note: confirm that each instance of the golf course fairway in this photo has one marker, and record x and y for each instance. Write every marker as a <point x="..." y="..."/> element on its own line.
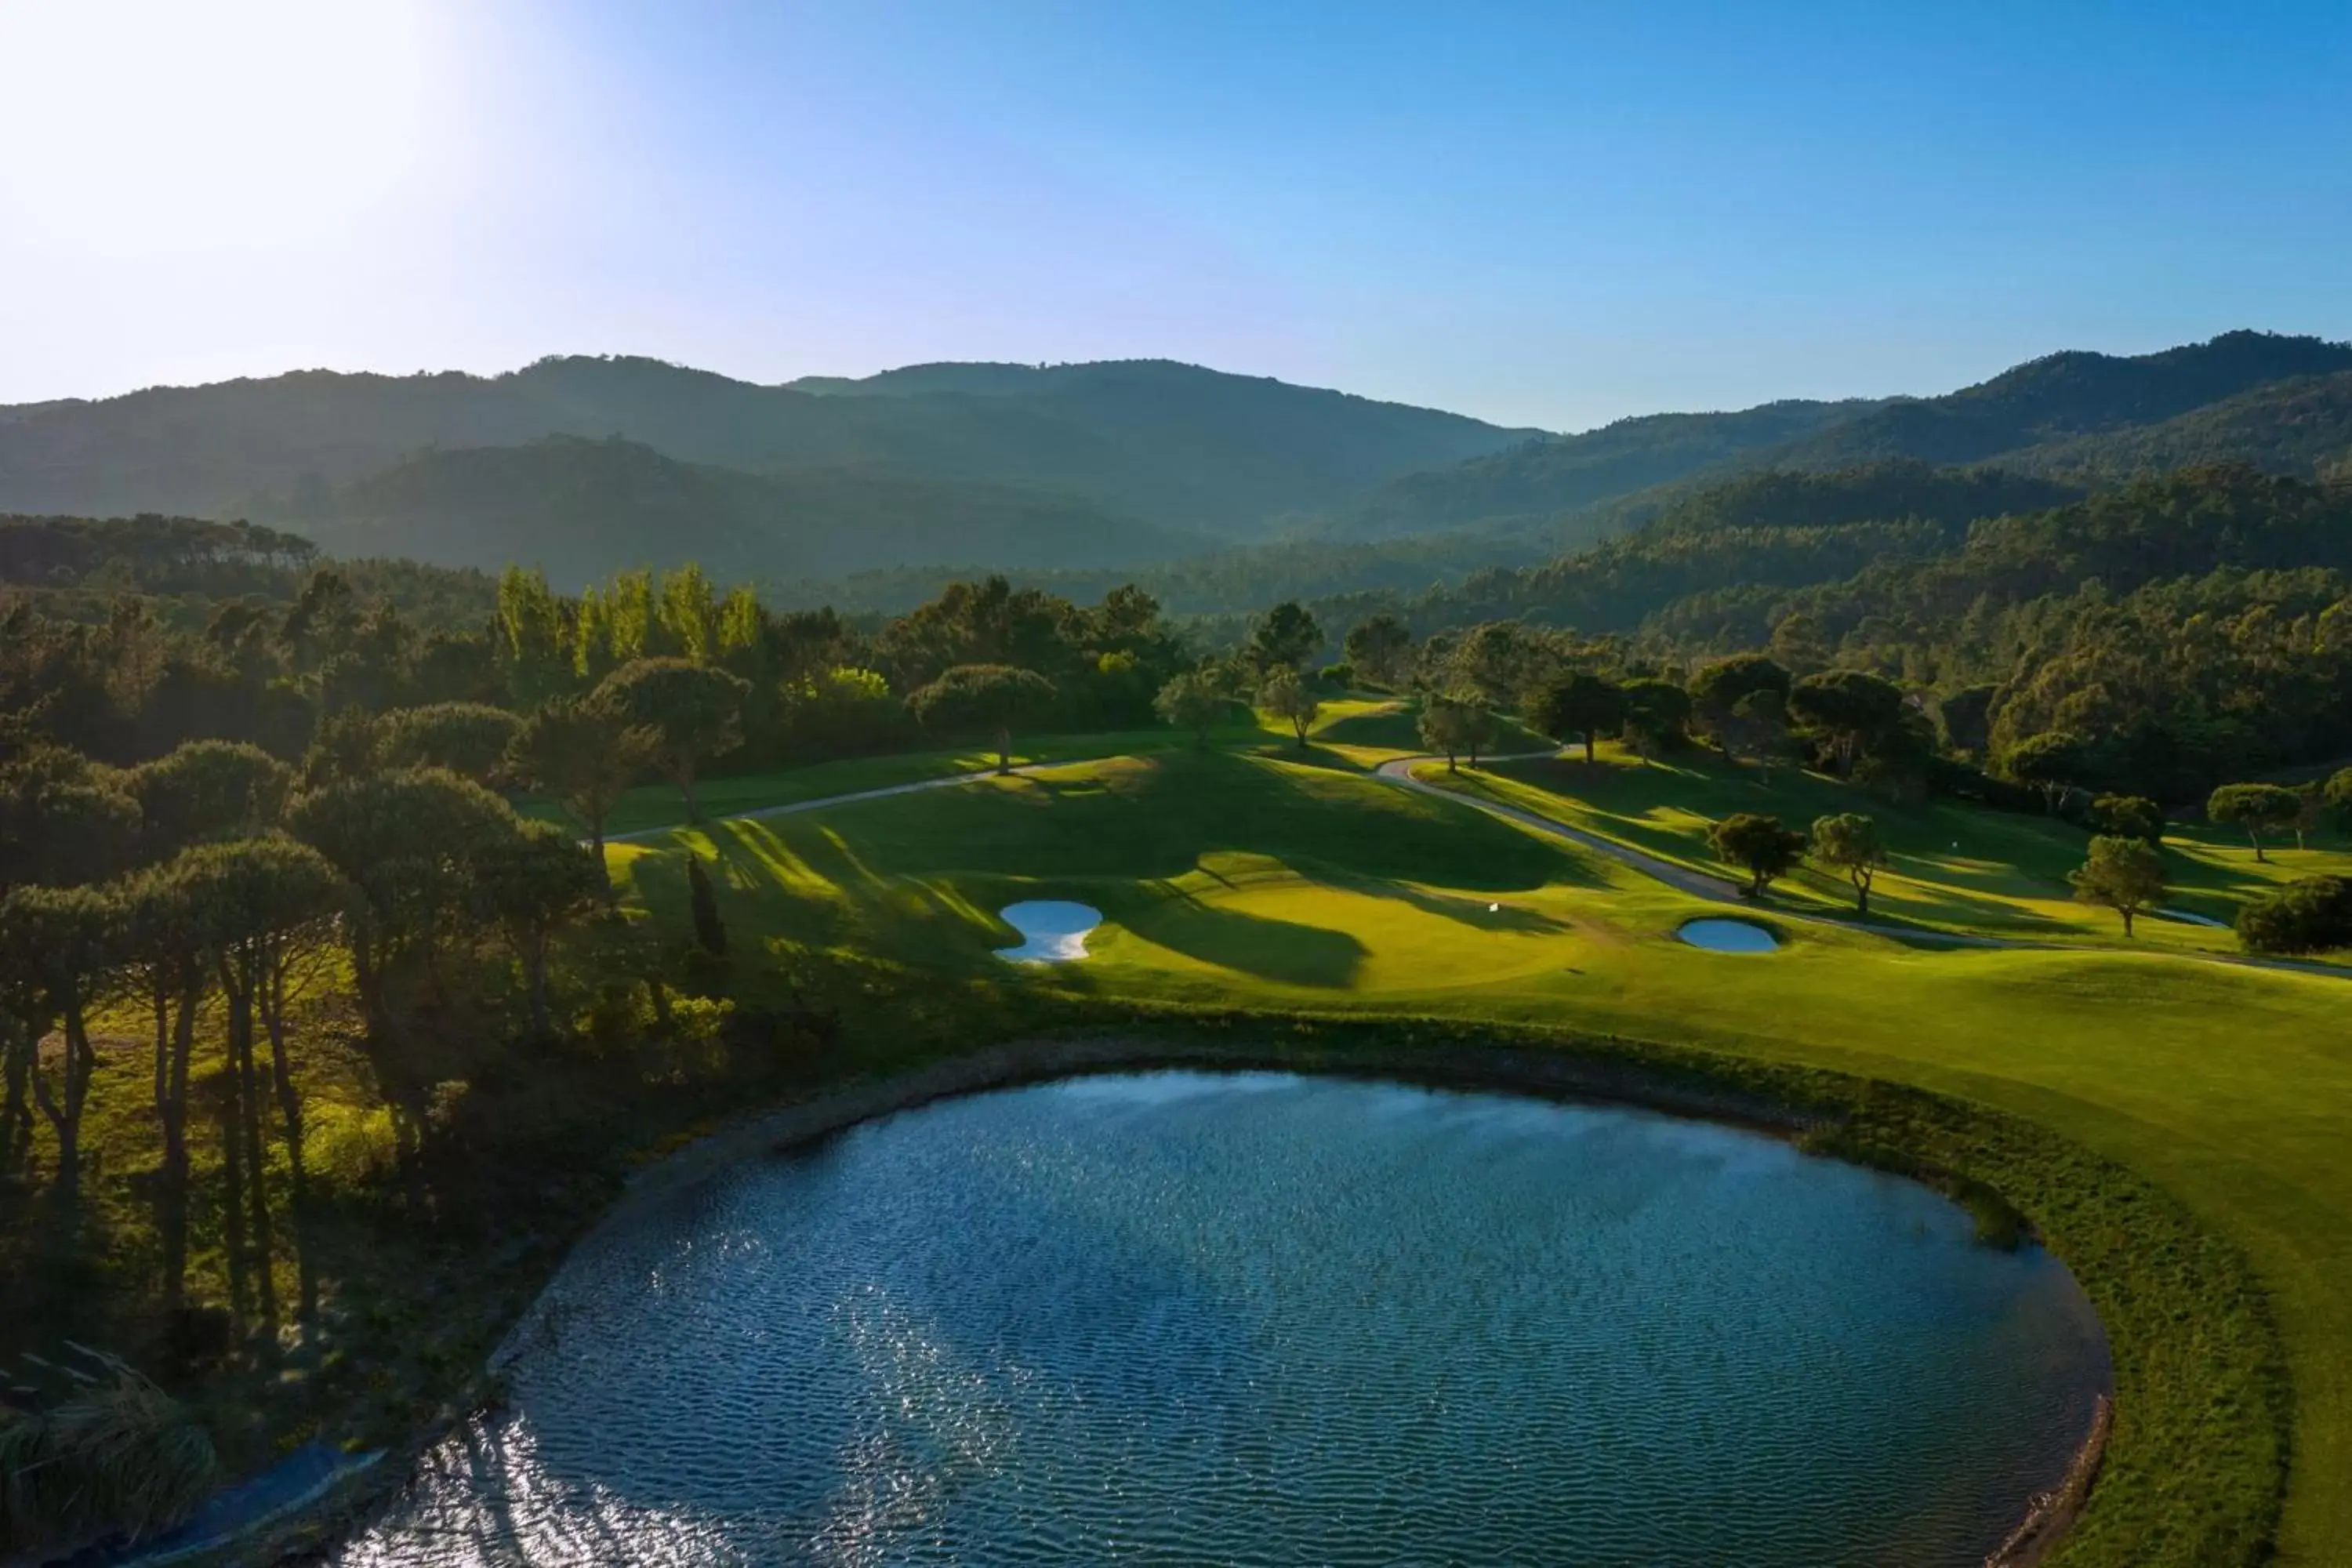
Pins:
<point x="1284" y="880"/>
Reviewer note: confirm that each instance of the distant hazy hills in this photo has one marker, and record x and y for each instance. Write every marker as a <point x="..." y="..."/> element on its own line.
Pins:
<point x="2283" y="402"/>
<point x="584" y="464"/>
<point x="1148" y="446"/>
<point x="583" y="509"/>
<point x="2071" y="398"/>
<point x="1556" y="474"/>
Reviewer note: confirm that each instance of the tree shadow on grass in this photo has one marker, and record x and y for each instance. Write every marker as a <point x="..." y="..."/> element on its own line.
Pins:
<point x="1393" y="726"/>
<point x="1285" y="951"/>
<point x="1311" y="755"/>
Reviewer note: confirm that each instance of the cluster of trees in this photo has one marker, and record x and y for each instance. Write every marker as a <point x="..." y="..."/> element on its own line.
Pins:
<point x="206" y="892"/>
<point x="308" y="792"/>
<point x="2125" y="873"/>
<point x="2123" y="869"/>
<point x="2176" y="632"/>
<point x="232" y="633"/>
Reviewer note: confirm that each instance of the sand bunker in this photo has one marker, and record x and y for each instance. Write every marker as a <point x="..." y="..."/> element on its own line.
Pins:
<point x="1056" y="930"/>
<point x="1727" y="936"/>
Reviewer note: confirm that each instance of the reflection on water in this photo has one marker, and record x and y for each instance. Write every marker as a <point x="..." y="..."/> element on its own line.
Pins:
<point x="1184" y="1317"/>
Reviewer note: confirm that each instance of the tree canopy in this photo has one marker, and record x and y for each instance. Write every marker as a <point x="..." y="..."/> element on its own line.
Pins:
<point x="2125" y="873"/>
<point x="1581" y="706"/>
<point x="1759" y="845"/>
<point x="984" y="699"/>
<point x="2256" y="807"/>
<point x="1848" y="842"/>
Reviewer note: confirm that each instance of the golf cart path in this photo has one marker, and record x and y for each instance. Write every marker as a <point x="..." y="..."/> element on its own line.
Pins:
<point x="885" y="792"/>
<point x="1721" y="890"/>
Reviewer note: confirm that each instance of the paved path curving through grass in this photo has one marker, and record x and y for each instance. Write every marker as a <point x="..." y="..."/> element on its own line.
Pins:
<point x="820" y="803"/>
<point x="1721" y="890"/>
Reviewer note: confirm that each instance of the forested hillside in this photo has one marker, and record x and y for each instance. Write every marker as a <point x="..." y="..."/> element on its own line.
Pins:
<point x="2301" y="426"/>
<point x="584" y="509"/>
<point x="1550" y="475"/>
<point x="1220" y="488"/>
<point x="186" y="571"/>
<point x="1170" y="444"/>
<point x="2259" y="397"/>
<point x="2173" y="632"/>
<point x="2068" y="396"/>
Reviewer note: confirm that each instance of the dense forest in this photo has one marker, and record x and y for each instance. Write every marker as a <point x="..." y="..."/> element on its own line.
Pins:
<point x="586" y="508"/>
<point x="2276" y="401"/>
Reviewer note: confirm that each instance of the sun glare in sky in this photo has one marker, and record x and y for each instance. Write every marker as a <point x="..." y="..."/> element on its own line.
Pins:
<point x="1540" y="214"/>
<point x="164" y="124"/>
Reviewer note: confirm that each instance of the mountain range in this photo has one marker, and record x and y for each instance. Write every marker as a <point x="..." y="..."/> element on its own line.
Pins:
<point x="585" y="464"/>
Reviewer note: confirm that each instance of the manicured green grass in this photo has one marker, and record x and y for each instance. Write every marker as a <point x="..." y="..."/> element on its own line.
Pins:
<point x="1357" y="731"/>
<point x="1255" y="880"/>
<point x="1955" y="867"/>
<point x="1395" y="726"/>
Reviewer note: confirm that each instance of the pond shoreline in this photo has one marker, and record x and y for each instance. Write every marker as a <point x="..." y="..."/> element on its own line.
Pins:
<point x="2049" y="1516"/>
<point x="1544" y="1070"/>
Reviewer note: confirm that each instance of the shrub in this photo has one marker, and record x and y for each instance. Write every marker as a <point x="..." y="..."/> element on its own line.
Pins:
<point x="2309" y="915"/>
<point x="116" y="1456"/>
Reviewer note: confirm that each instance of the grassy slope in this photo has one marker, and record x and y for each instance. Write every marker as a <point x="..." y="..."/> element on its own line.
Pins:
<point x="1955" y="867"/>
<point x="1350" y="726"/>
<point x="1258" y="880"/>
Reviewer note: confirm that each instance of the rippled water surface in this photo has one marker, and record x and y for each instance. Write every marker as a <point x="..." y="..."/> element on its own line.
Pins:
<point x="1180" y="1317"/>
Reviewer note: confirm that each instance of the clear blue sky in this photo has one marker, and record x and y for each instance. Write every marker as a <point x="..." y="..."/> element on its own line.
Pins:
<point x="1542" y="214"/>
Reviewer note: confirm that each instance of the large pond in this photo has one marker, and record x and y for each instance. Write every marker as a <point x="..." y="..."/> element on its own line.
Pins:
<point x="1183" y="1318"/>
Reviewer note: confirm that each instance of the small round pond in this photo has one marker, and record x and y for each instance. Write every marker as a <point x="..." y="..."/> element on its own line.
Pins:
<point x="1052" y="931"/>
<point x="1727" y="936"/>
<point x="1262" y="1318"/>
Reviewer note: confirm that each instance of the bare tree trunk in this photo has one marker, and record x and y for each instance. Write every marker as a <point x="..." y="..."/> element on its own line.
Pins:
<point x="17" y="1044"/>
<point x="69" y="1147"/>
<point x="391" y="1078"/>
<point x="64" y="1113"/>
<point x="603" y="873"/>
<point x="257" y="1163"/>
<point x="289" y="1112"/>
<point x="172" y="1114"/>
<point x="240" y="1291"/>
